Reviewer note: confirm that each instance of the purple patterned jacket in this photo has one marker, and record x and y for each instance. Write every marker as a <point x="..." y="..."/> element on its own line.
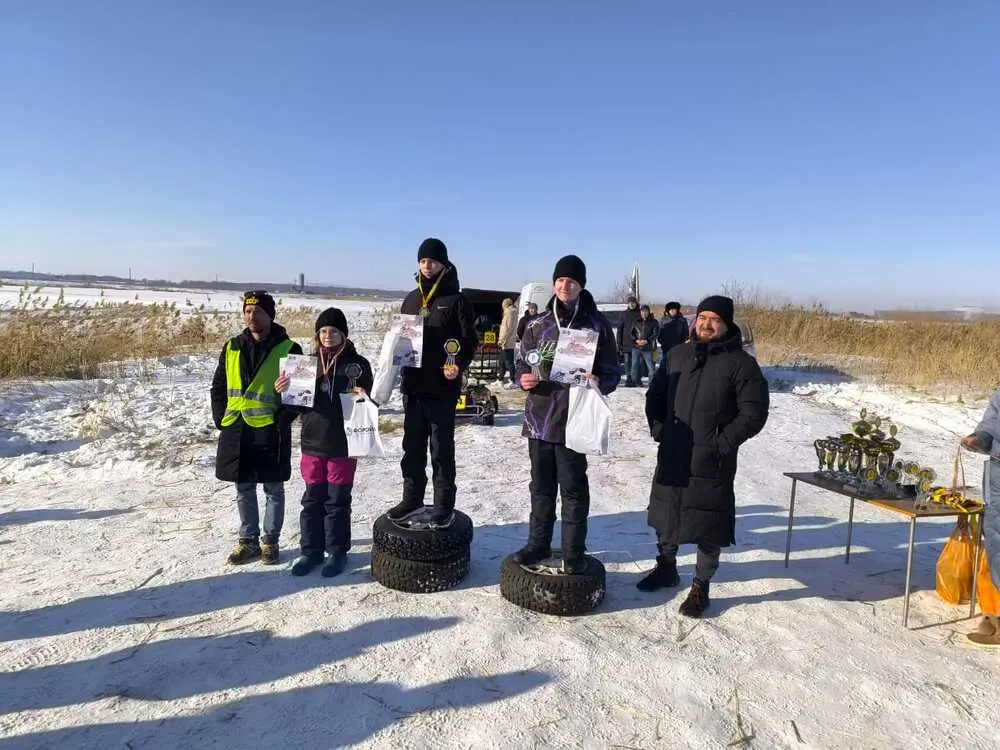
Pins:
<point x="546" y="406"/>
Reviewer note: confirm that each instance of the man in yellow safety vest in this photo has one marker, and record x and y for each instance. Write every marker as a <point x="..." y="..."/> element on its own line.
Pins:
<point x="255" y="444"/>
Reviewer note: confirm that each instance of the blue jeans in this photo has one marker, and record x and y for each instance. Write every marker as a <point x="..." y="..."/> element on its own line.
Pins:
<point x="274" y="509"/>
<point x="640" y="357"/>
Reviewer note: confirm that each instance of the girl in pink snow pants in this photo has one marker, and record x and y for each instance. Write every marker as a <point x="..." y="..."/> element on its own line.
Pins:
<point x="325" y="520"/>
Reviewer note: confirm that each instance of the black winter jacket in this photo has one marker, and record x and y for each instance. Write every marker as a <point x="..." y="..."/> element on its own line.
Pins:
<point x="323" y="424"/>
<point x="648" y="330"/>
<point x="673" y="331"/>
<point x="625" y="324"/>
<point x="451" y="317"/>
<point x="252" y="454"/>
<point x="704" y="402"/>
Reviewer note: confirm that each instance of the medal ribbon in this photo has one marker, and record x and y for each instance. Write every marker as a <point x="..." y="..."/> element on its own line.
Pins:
<point x="426" y="298"/>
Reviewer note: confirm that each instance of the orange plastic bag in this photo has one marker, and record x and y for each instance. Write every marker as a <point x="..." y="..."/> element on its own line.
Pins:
<point x="986" y="593"/>
<point x="954" y="566"/>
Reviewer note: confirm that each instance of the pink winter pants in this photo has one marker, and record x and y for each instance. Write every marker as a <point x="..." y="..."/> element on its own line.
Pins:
<point x="317" y="470"/>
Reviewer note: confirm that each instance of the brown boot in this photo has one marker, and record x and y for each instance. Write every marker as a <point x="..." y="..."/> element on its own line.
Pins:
<point x="269" y="551"/>
<point x="246" y="551"/>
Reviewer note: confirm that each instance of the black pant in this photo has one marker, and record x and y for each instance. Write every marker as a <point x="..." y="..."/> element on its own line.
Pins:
<point x="507" y="363"/>
<point x="555" y="469"/>
<point x="429" y="421"/>
<point x="325" y="519"/>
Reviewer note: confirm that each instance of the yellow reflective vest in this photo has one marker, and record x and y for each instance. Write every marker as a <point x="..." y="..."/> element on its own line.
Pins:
<point x="257" y="403"/>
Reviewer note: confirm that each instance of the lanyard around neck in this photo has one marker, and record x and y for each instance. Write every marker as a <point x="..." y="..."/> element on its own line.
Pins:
<point x="426" y="298"/>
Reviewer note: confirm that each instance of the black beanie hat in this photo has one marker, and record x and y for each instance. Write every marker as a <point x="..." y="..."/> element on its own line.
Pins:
<point x="434" y="249"/>
<point x="332" y="316"/>
<point x="721" y="306"/>
<point x="261" y="299"/>
<point x="571" y="267"/>
<point x="672" y="306"/>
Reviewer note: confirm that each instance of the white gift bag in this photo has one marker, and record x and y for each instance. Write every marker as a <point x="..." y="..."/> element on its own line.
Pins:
<point x="361" y="427"/>
<point x="385" y="371"/>
<point x="588" y="425"/>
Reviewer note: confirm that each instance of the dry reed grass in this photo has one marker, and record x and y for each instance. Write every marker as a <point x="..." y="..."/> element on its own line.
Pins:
<point x="46" y="337"/>
<point x="918" y="353"/>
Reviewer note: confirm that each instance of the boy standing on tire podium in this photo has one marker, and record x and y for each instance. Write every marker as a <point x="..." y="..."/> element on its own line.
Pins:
<point x="554" y="467"/>
<point x="430" y="392"/>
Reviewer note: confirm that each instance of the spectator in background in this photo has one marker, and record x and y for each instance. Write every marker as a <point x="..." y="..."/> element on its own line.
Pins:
<point x="674" y="327"/>
<point x="529" y="314"/>
<point x="506" y="340"/>
<point x="645" y="331"/>
<point x="628" y="319"/>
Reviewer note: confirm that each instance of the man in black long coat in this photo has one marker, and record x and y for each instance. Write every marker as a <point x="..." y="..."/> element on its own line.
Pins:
<point x="707" y="398"/>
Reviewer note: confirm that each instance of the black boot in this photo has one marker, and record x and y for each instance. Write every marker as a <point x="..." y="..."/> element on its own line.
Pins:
<point x="697" y="599"/>
<point x="334" y="565"/>
<point x="573" y="564"/>
<point x="663" y="575"/>
<point x="408" y="507"/>
<point x="305" y="563"/>
<point x="444" y="511"/>
<point x="532" y="554"/>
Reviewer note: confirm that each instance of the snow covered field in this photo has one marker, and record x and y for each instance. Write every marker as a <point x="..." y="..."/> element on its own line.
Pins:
<point x="121" y="625"/>
<point x="217" y="301"/>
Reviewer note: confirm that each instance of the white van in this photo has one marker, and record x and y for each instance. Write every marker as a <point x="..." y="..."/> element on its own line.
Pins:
<point x="535" y="291"/>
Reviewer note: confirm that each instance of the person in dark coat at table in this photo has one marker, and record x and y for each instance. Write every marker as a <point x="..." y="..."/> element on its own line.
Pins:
<point x="705" y="401"/>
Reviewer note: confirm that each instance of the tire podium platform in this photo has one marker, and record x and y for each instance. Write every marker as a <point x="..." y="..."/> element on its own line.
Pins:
<point x="413" y="556"/>
<point x="544" y="588"/>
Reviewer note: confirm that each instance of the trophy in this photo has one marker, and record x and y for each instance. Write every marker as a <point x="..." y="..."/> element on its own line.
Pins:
<point x="451" y="348"/>
<point x="861" y="427"/>
<point x="925" y="480"/>
<point x="831" y="454"/>
<point x="843" y="450"/>
<point x="353" y="372"/>
<point x="820" y="445"/>
<point x="854" y="460"/>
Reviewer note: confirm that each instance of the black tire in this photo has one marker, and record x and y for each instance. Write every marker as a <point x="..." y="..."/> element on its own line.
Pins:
<point x="419" y="577"/>
<point x="422" y="545"/>
<point x="553" y="594"/>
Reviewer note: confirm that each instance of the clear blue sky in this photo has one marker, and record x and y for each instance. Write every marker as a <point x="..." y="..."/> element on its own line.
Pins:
<point x="844" y="151"/>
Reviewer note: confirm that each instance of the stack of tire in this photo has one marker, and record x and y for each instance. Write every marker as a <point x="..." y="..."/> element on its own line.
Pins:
<point x="546" y="589"/>
<point x="421" y="560"/>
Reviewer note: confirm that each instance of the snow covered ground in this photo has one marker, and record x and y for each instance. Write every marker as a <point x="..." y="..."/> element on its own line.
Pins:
<point x="122" y="626"/>
<point x="217" y="301"/>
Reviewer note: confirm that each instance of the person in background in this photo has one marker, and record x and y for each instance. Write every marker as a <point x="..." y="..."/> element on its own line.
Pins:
<point x="507" y="340"/>
<point x="705" y="401"/>
<point x="530" y="313"/>
<point x="328" y="472"/>
<point x="628" y="319"/>
<point x="556" y="469"/>
<point x="430" y="392"/>
<point x="255" y="433"/>
<point x="986" y="439"/>
<point x="673" y="328"/>
<point x="644" y="334"/>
